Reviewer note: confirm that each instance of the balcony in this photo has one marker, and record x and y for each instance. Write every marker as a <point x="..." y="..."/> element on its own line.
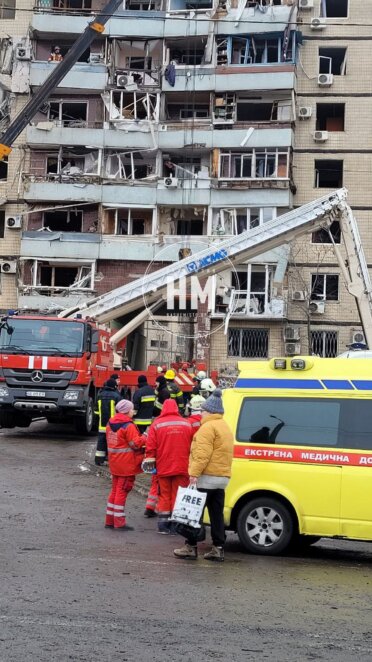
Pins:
<point x="246" y="305"/>
<point x="230" y="79"/>
<point x="48" y="134"/>
<point x="51" y="23"/>
<point x="83" y="76"/>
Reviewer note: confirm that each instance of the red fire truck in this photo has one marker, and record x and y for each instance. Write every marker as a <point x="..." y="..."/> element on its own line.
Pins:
<point x="53" y="368"/>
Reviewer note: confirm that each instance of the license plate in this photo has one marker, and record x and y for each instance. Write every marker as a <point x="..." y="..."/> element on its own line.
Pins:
<point x="35" y="394"/>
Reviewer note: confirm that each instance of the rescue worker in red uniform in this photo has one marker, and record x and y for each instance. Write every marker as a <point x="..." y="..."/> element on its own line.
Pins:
<point x="168" y="447"/>
<point x="125" y="454"/>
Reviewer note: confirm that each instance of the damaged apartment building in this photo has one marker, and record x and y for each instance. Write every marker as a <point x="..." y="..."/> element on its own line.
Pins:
<point x="175" y="128"/>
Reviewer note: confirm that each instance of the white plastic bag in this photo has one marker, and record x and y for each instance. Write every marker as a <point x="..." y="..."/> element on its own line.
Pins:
<point x="188" y="507"/>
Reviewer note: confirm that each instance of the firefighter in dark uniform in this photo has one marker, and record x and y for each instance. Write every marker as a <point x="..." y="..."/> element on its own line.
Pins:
<point x="174" y="390"/>
<point x="107" y="399"/>
<point x="161" y="394"/>
<point x="143" y="403"/>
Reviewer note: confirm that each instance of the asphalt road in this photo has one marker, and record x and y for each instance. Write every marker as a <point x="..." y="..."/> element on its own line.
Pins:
<point x="72" y="590"/>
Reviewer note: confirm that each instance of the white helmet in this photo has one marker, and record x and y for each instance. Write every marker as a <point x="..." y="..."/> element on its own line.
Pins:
<point x="207" y="385"/>
<point x="201" y="375"/>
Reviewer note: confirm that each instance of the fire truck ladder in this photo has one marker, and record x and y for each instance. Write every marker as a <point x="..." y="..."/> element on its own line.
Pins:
<point x="216" y="258"/>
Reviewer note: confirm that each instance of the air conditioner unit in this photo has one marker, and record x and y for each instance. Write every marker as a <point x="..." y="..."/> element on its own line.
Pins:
<point x="317" y="307"/>
<point x="8" y="267"/>
<point x="163" y="127"/>
<point x="305" y="112"/>
<point x="318" y="24"/>
<point x="94" y="58"/>
<point x="23" y="52"/>
<point x="170" y="182"/>
<point x="13" y="222"/>
<point x="122" y="80"/>
<point x="325" y="80"/>
<point x="298" y="295"/>
<point x="306" y="4"/>
<point x="358" y="336"/>
<point x="291" y="333"/>
<point x="292" y="348"/>
<point x="320" y="136"/>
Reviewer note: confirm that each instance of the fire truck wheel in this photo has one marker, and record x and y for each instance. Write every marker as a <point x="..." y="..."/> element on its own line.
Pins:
<point x="7" y="419"/>
<point x="84" y="424"/>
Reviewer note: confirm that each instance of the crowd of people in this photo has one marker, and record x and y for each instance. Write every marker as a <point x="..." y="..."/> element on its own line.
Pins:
<point x="180" y="442"/>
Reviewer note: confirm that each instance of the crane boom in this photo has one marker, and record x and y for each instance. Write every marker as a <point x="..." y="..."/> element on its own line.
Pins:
<point x="318" y="214"/>
<point x="59" y="72"/>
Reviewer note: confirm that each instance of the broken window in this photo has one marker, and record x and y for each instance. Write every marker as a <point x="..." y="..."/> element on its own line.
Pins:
<point x="73" y="5"/>
<point x="2" y="223"/>
<point x="324" y="287"/>
<point x="248" y="110"/>
<point x="4" y="169"/>
<point x="328" y="173"/>
<point x="187" y="227"/>
<point x="181" y="168"/>
<point x="122" y="105"/>
<point x="186" y="52"/>
<point x="334" y="8"/>
<point x="69" y="113"/>
<point x="322" y="236"/>
<point x="253" y="288"/>
<point x="72" y="163"/>
<point x="257" y="164"/>
<point x="254" y="49"/>
<point x="236" y="221"/>
<point x="7" y="9"/>
<point x="127" y="222"/>
<point x="57" y="276"/>
<point x="330" y="117"/>
<point x="129" y="165"/>
<point x="332" y="61"/>
<point x="141" y="63"/>
<point x="137" y="5"/>
<point x="63" y="220"/>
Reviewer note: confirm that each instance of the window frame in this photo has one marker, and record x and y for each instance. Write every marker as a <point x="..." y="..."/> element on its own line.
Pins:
<point x="252" y="330"/>
<point x="323" y="334"/>
<point x="255" y="156"/>
<point x="323" y="296"/>
<point x="5" y="7"/>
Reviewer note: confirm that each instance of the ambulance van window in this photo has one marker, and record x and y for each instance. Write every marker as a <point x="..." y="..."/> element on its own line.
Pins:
<point x="305" y="422"/>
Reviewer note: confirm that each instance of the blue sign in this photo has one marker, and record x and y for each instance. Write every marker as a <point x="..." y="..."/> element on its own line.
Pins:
<point x="206" y="261"/>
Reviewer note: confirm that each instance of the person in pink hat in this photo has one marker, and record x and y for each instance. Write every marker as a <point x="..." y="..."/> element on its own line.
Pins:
<point x="125" y="447"/>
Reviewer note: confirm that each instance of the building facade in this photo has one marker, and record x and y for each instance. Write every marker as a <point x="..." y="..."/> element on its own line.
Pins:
<point x="175" y="130"/>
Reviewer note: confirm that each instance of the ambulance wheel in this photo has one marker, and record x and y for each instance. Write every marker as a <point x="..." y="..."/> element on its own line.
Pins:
<point x="84" y="424"/>
<point x="265" y="526"/>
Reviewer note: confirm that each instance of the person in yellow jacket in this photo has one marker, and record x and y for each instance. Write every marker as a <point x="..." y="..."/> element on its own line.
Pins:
<point x="210" y="462"/>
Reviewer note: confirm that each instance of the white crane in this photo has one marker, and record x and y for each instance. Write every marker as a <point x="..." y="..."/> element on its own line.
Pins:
<point x="305" y="219"/>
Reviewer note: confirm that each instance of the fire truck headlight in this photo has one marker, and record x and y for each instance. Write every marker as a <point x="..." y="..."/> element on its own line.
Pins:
<point x="71" y="395"/>
<point x="3" y="391"/>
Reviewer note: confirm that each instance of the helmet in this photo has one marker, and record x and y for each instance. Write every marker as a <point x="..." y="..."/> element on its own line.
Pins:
<point x="207" y="385"/>
<point x="161" y="369"/>
<point x="196" y="402"/>
<point x="201" y="375"/>
<point x="170" y="374"/>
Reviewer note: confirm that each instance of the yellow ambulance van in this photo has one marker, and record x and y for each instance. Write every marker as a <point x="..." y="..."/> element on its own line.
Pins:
<point x="302" y="467"/>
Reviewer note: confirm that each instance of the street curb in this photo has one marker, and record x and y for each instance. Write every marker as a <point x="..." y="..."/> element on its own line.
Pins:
<point x="140" y="486"/>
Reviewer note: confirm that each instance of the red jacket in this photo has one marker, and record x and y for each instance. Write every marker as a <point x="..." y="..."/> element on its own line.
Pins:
<point x="169" y="441"/>
<point x="195" y="419"/>
<point x="124" y="444"/>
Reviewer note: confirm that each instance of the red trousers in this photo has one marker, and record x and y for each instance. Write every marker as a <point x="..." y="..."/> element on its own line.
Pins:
<point x="121" y="486"/>
<point x="153" y="495"/>
<point x="168" y="486"/>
